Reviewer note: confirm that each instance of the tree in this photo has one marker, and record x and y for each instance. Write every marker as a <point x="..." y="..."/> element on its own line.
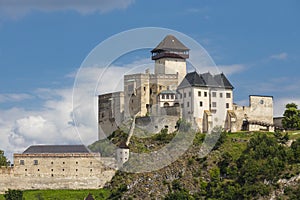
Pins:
<point x="3" y="160"/>
<point x="13" y="195"/>
<point x="291" y="117"/>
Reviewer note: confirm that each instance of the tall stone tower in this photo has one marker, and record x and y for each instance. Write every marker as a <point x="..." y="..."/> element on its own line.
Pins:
<point x="170" y="57"/>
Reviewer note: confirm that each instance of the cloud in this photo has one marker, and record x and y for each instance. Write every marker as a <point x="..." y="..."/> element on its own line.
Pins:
<point x="279" y="104"/>
<point x="53" y="122"/>
<point x="14" y="97"/>
<point x="280" y="56"/>
<point x="19" y="8"/>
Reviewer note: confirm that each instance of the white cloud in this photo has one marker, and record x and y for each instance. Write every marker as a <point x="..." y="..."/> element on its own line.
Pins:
<point x="52" y="122"/>
<point x="280" y="56"/>
<point x="279" y="104"/>
<point x="19" y="8"/>
<point x="14" y="97"/>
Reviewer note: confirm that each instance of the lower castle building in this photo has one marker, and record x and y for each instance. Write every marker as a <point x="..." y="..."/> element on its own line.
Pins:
<point x="56" y="167"/>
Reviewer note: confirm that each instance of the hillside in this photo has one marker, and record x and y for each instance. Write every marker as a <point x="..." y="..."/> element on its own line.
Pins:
<point x="242" y="166"/>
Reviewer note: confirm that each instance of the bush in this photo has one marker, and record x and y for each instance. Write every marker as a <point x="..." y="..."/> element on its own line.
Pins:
<point x="13" y="195"/>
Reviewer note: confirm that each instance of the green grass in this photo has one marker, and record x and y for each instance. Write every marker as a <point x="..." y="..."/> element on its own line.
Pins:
<point x="63" y="194"/>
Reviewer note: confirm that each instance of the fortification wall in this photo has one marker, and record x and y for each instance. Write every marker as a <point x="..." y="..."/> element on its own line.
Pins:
<point x="56" y="171"/>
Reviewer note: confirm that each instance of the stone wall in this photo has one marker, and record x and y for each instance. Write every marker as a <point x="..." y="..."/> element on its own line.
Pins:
<point x="56" y="171"/>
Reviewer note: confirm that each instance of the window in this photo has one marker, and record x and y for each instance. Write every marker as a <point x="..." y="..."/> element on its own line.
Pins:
<point x="180" y="96"/>
<point x="184" y="95"/>
<point x="51" y="163"/>
<point x="76" y="170"/>
<point x="51" y="170"/>
<point x="214" y="94"/>
<point x="76" y="163"/>
<point x="190" y="94"/>
<point x="221" y="95"/>
<point x="22" y="162"/>
<point x="163" y="96"/>
<point x="167" y="96"/>
<point x="63" y="163"/>
<point x="25" y="170"/>
<point x="91" y="170"/>
<point x="35" y="162"/>
<point x="144" y="88"/>
<point x="227" y="105"/>
<point x="182" y="105"/>
<point x="214" y="104"/>
<point x="159" y="87"/>
<point x="199" y="93"/>
<point x="91" y="163"/>
<point x="63" y="170"/>
<point x="38" y="170"/>
<point x="261" y="101"/>
<point x="201" y="103"/>
<point x="188" y="104"/>
<point x="205" y="94"/>
<point x="228" y="95"/>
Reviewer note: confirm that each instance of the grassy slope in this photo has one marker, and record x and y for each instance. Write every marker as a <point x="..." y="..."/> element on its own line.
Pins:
<point x="63" y="194"/>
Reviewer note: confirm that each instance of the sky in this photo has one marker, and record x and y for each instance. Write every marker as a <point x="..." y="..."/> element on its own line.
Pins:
<point x="44" y="43"/>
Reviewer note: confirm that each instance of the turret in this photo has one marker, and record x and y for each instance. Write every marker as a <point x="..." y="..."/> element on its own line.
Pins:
<point x="170" y="57"/>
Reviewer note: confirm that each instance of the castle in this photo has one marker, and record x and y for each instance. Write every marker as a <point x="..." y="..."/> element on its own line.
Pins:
<point x="205" y="100"/>
<point x="154" y="101"/>
<point x="56" y="167"/>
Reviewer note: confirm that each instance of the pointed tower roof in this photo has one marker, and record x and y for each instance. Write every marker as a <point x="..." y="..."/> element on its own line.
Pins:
<point x="170" y="42"/>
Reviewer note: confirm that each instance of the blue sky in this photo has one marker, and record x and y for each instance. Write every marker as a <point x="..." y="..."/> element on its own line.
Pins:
<point x="42" y="45"/>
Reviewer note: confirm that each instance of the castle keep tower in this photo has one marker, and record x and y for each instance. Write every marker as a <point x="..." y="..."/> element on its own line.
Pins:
<point x="170" y="57"/>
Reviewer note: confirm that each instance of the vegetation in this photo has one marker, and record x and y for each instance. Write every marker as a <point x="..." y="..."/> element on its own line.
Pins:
<point x="3" y="160"/>
<point x="63" y="194"/>
<point x="13" y="195"/>
<point x="291" y="119"/>
<point x="244" y="165"/>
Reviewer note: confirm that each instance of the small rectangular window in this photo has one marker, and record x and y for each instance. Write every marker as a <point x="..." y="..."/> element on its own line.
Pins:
<point x="214" y="94"/>
<point x="180" y="96"/>
<point x="190" y="94"/>
<point x="184" y="95"/>
<point x="228" y="95"/>
<point x="227" y="105"/>
<point x="188" y="104"/>
<point x="35" y="162"/>
<point x="221" y="95"/>
<point x="214" y="104"/>
<point x="182" y="105"/>
<point x="205" y="94"/>
<point x="201" y="103"/>
<point x="22" y="162"/>
<point x="163" y="96"/>
<point x="199" y="93"/>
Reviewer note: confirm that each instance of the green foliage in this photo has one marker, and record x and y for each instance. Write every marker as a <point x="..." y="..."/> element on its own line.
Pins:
<point x="179" y="195"/>
<point x="63" y="194"/>
<point x="216" y="138"/>
<point x="3" y="160"/>
<point x="282" y="139"/>
<point x="295" y="147"/>
<point x="105" y="147"/>
<point x="163" y="136"/>
<point x="117" y="193"/>
<point x="291" y="115"/>
<point x="13" y="195"/>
